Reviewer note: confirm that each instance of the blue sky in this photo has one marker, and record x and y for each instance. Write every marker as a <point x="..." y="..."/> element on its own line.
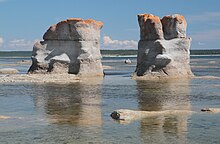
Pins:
<point x="22" y="22"/>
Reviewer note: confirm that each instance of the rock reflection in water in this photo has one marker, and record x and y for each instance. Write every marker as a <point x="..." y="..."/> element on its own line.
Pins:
<point x="158" y="96"/>
<point x="75" y="104"/>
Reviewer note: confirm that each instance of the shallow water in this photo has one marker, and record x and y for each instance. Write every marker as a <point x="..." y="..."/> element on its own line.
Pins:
<point x="79" y="112"/>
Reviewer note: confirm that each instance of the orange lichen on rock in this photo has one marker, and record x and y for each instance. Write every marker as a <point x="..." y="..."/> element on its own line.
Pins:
<point x="97" y="24"/>
<point x="94" y="23"/>
<point x="151" y="17"/>
<point x="165" y="19"/>
<point x="177" y="18"/>
<point x="181" y="19"/>
<point x="174" y="26"/>
<point x="169" y="27"/>
<point x="73" y="29"/>
<point x="90" y="22"/>
<point x="150" y="27"/>
<point x="69" y="20"/>
<point x="53" y="27"/>
<point x="74" y="19"/>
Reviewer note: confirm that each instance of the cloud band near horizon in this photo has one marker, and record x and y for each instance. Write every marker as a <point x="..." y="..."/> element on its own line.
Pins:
<point x="109" y="43"/>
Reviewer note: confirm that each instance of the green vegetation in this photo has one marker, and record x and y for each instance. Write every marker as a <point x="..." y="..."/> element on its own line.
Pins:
<point x="205" y="52"/>
<point x="134" y="52"/>
<point x="15" y="54"/>
<point x="119" y="52"/>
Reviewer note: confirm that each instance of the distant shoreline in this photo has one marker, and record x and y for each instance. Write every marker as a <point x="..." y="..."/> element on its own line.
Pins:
<point x="134" y="52"/>
<point x="107" y="53"/>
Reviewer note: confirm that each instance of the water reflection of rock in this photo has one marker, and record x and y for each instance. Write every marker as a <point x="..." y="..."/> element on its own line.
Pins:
<point x="157" y="96"/>
<point x="76" y="104"/>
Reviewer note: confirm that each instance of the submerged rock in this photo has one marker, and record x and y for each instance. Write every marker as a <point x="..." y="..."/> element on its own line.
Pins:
<point x="4" y="117"/>
<point x="71" y="46"/>
<point x="163" y="49"/>
<point x="128" y="115"/>
<point x="131" y="115"/>
<point x="212" y="110"/>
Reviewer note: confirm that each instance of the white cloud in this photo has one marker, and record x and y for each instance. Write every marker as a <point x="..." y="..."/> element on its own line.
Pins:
<point x="20" y="43"/>
<point x="1" y="41"/>
<point x="17" y="45"/>
<point x="108" y="43"/>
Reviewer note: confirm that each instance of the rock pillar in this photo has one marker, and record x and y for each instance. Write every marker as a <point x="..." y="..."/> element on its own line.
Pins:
<point x="71" y="46"/>
<point x="163" y="49"/>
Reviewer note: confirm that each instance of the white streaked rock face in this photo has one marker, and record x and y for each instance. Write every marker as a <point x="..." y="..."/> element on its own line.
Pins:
<point x="71" y="46"/>
<point x="163" y="49"/>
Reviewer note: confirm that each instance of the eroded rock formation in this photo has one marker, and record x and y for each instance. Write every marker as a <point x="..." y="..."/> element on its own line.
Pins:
<point x="163" y="49"/>
<point x="71" y="46"/>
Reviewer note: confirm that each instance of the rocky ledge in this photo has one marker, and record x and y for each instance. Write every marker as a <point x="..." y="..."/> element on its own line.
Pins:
<point x="40" y="78"/>
<point x="8" y="71"/>
<point x="71" y="46"/>
<point x="163" y="49"/>
<point x="127" y="116"/>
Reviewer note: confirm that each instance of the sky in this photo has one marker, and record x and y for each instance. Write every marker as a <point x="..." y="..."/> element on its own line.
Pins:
<point x="23" y="22"/>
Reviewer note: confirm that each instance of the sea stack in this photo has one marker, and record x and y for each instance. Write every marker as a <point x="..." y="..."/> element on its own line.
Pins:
<point x="71" y="46"/>
<point x="163" y="48"/>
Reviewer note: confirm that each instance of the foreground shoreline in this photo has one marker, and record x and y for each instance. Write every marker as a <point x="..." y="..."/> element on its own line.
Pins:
<point x="39" y="78"/>
<point x="72" y="78"/>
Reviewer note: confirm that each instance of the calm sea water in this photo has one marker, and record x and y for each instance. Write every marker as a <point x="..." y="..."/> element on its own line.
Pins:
<point x="80" y="112"/>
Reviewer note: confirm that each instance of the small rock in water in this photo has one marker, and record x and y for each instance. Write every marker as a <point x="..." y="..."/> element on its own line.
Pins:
<point x="205" y="110"/>
<point x="127" y="61"/>
<point x="213" y="110"/>
<point x="115" y="115"/>
<point x="4" y="117"/>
